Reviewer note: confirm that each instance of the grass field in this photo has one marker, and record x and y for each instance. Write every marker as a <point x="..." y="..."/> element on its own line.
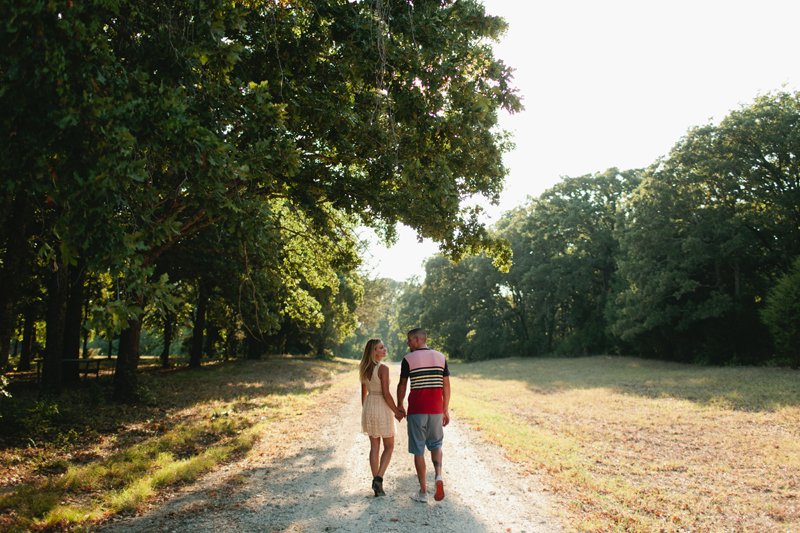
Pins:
<point x="630" y="445"/>
<point x="623" y="444"/>
<point x="72" y="463"/>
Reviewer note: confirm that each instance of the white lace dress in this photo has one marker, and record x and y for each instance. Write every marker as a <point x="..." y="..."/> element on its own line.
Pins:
<point x="377" y="419"/>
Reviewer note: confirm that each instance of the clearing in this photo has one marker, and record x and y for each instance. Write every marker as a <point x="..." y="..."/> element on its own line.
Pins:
<point x="322" y="483"/>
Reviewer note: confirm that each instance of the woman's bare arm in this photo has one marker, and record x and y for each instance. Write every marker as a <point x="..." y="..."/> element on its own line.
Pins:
<point x="383" y="374"/>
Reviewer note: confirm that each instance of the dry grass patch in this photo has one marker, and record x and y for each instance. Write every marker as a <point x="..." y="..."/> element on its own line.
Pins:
<point x="193" y="421"/>
<point x="641" y="446"/>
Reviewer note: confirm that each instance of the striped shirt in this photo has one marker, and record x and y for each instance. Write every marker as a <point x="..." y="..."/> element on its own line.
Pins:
<point x="425" y="370"/>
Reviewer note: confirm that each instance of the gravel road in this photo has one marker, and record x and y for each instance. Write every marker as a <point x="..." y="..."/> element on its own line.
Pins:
<point x="324" y="485"/>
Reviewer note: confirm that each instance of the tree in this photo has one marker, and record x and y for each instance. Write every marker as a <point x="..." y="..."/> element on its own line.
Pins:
<point x="162" y="119"/>
<point x="574" y="221"/>
<point x="782" y="316"/>
<point x="447" y="311"/>
<point x="408" y="315"/>
<point x="706" y="234"/>
<point x="13" y="232"/>
<point x="466" y="310"/>
<point x="376" y="316"/>
<point x="553" y="297"/>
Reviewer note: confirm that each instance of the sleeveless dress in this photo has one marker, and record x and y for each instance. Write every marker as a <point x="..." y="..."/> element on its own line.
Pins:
<point x="377" y="419"/>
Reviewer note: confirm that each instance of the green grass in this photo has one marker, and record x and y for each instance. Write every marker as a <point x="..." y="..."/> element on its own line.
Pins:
<point x="630" y="445"/>
<point x="197" y="420"/>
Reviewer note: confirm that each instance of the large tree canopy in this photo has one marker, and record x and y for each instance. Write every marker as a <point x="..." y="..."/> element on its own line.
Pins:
<point x="130" y="126"/>
<point x="708" y="233"/>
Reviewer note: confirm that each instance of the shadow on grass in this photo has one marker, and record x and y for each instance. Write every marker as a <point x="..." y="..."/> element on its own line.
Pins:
<point x="192" y="421"/>
<point x="86" y="407"/>
<point x="740" y="388"/>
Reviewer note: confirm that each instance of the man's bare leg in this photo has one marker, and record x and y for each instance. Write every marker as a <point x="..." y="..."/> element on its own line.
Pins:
<point x="436" y="457"/>
<point x="419" y="464"/>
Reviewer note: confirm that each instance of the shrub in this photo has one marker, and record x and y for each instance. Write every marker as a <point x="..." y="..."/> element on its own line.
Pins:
<point x="782" y="316"/>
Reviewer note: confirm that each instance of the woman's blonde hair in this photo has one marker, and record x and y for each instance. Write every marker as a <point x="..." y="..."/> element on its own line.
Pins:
<point x="368" y="361"/>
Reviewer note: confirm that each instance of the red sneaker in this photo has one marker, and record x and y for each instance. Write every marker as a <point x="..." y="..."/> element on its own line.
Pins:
<point x="439" y="496"/>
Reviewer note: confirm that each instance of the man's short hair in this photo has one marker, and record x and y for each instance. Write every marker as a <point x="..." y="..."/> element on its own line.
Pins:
<point x="418" y="332"/>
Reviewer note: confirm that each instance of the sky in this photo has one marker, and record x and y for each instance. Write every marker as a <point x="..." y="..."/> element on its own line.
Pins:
<point x="617" y="84"/>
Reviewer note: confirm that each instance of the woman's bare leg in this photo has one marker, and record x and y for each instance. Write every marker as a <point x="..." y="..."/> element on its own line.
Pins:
<point x="374" y="454"/>
<point x="386" y="456"/>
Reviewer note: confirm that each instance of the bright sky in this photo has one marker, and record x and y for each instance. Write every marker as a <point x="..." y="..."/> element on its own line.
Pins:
<point x="617" y="84"/>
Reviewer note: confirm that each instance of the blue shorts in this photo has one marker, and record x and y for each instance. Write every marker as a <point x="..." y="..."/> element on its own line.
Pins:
<point x="424" y="430"/>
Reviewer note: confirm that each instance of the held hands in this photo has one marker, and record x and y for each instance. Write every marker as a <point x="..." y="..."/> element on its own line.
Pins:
<point x="401" y="414"/>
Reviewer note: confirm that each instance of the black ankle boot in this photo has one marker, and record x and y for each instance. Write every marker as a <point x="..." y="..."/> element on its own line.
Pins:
<point x="377" y="486"/>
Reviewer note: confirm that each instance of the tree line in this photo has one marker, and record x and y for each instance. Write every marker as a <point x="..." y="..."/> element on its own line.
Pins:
<point x="694" y="259"/>
<point x="205" y="164"/>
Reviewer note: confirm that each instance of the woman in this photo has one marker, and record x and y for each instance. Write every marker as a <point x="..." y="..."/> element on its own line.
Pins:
<point x="378" y="410"/>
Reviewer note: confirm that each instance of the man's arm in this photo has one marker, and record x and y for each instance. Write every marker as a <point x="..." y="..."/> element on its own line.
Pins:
<point x="401" y="394"/>
<point x="446" y="401"/>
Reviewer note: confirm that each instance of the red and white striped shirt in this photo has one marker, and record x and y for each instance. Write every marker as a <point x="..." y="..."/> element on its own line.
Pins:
<point x="425" y="370"/>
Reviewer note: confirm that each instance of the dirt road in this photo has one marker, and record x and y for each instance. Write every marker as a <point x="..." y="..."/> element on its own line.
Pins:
<point x="324" y="485"/>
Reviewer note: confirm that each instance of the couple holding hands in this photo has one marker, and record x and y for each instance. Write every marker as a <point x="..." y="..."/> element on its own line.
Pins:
<point x="428" y="404"/>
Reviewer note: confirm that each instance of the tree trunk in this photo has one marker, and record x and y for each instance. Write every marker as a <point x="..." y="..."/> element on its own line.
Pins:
<point x="212" y="337"/>
<point x="28" y="336"/>
<point x="57" y="296"/>
<point x="11" y="272"/>
<point x="254" y="348"/>
<point x="199" y="326"/>
<point x="87" y="296"/>
<point x="283" y="339"/>
<point x="84" y="352"/>
<point x="169" y="328"/>
<point x="126" y="382"/>
<point x="74" y="319"/>
<point x="125" y="375"/>
<point x="518" y="307"/>
<point x="231" y="342"/>
<point x="320" y="347"/>
<point x="125" y="371"/>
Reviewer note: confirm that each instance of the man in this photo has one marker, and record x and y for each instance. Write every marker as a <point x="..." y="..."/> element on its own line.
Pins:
<point x="428" y="407"/>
